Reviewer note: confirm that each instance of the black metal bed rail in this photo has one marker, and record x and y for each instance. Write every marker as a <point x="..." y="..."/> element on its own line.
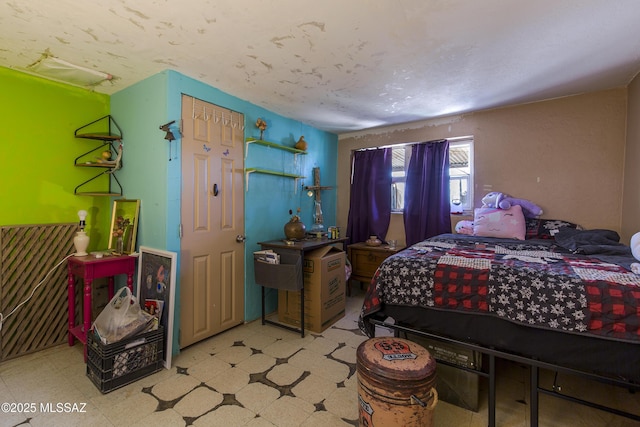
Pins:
<point x="554" y="393"/>
<point x="533" y="364"/>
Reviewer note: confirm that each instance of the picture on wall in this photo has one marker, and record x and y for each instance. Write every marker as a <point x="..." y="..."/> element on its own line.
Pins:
<point x="124" y="226"/>
<point x="156" y="291"/>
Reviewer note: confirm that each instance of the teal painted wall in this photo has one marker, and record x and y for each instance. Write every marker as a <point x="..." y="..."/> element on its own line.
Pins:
<point x="139" y="110"/>
<point x="38" y="149"/>
<point x="156" y="180"/>
<point x="269" y="198"/>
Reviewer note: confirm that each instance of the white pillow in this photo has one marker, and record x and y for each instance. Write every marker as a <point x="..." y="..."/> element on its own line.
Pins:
<point x="505" y="223"/>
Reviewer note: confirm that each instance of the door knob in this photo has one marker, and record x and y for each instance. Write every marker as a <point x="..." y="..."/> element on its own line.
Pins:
<point x="240" y="238"/>
<point x="215" y="190"/>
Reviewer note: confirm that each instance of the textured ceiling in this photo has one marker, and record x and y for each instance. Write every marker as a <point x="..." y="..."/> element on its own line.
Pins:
<point x="341" y="65"/>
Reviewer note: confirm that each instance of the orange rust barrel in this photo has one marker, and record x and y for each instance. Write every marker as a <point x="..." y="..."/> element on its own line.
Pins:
<point x="396" y="383"/>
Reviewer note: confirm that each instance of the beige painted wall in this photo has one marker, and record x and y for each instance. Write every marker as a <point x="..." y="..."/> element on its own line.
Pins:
<point x="566" y="155"/>
<point x="631" y="193"/>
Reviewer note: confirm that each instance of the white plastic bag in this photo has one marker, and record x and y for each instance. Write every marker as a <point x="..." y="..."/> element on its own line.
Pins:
<point x="121" y="318"/>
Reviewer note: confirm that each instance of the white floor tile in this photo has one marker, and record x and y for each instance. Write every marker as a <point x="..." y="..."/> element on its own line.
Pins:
<point x="265" y="376"/>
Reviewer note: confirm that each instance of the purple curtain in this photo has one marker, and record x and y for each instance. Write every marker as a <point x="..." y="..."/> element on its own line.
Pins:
<point x="370" y="204"/>
<point x="427" y="206"/>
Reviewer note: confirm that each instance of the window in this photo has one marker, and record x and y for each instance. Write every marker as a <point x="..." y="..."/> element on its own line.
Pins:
<point x="460" y="175"/>
<point x="399" y="165"/>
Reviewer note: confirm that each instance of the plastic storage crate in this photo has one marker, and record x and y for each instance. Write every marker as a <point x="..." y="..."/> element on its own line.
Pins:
<point x="112" y="366"/>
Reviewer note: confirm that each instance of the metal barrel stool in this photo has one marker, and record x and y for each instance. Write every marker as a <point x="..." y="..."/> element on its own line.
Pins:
<point x="396" y="383"/>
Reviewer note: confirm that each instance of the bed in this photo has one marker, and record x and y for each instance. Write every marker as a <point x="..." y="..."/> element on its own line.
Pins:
<point x="542" y="300"/>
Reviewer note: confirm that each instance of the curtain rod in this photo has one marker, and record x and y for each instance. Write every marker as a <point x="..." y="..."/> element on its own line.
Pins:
<point x="409" y="144"/>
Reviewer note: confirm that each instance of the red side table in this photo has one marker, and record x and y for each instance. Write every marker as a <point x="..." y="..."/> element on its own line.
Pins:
<point x="89" y="268"/>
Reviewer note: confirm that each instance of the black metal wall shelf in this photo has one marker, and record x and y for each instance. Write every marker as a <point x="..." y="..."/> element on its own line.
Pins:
<point x="108" y="138"/>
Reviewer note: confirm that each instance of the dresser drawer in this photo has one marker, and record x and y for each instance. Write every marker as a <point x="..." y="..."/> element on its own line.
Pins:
<point x="365" y="262"/>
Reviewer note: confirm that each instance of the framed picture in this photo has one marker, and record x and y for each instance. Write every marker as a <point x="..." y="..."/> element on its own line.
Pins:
<point x="156" y="291"/>
<point x="124" y="225"/>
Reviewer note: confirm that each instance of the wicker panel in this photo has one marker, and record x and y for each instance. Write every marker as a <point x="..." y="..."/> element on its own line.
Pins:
<point x="28" y="253"/>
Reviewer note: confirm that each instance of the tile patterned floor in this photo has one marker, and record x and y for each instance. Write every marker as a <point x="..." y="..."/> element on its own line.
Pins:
<point x="256" y="375"/>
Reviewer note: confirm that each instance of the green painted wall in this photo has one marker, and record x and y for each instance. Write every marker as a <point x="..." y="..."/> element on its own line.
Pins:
<point x="38" y="149"/>
<point x="39" y="177"/>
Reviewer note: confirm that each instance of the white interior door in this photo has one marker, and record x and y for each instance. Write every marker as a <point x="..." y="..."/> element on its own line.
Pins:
<point x="212" y="209"/>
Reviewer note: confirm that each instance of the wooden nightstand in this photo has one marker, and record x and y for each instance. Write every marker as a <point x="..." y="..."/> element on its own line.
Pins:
<point x="365" y="260"/>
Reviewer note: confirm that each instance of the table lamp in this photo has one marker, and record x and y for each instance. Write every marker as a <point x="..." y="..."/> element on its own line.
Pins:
<point x="81" y="240"/>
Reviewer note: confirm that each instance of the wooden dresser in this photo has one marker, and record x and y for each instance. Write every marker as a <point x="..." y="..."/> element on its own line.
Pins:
<point x="365" y="260"/>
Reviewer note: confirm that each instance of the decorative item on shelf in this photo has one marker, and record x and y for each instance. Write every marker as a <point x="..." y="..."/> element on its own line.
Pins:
<point x="318" y="221"/>
<point x="105" y="157"/>
<point x="294" y="229"/>
<point x="105" y="160"/>
<point x="301" y="144"/>
<point x="119" y="230"/>
<point x="117" y="163"/>
<point x="373" y="241"/>
<point x="81" y="240"/>
<point x="262" y="125"/>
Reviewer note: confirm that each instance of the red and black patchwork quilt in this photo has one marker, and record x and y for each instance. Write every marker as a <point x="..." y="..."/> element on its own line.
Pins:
<point x="531" y="282"/>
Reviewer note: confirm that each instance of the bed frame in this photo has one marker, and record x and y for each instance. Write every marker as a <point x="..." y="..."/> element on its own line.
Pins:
<point x="609" y="351"/>
<point x="534" y="365"/>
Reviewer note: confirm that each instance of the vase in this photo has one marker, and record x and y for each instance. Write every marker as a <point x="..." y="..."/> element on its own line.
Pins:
<point x="301" y="144"/>
<point x="120" y="245"/>
<point x="80" y="242"/>
<point x="294" y="230"/>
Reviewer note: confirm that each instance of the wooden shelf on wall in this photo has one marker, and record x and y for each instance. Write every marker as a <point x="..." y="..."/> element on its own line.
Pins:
<point x="249" y="171"/>
<point x="272" y="145"/>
